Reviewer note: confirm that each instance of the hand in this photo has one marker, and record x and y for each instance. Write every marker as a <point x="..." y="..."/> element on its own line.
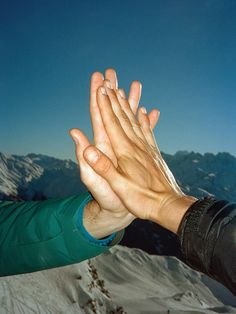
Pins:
<point x="141" y="178"/>
<point x="108" y="206"/>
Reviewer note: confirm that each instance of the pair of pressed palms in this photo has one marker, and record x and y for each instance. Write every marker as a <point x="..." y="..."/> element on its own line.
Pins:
<point x="123" y="169"/>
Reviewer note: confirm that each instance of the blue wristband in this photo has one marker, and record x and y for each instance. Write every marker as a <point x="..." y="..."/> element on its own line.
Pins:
<point x="106" y="241"/>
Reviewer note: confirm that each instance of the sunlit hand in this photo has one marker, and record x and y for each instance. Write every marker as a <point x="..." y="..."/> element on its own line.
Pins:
<point x="141" y="178"/>
<point x="107" y="201"/>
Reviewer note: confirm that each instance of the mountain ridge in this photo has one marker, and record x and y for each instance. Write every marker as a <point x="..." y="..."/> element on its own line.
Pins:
<point x="198" y="174"/>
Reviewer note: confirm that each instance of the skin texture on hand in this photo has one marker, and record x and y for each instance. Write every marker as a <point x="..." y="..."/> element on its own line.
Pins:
<point x="108" y="205"/>
<point x="140" y="178"/>
<point x="100" y="223"/>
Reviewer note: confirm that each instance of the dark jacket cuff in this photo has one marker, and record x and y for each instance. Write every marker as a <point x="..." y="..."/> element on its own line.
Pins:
<point x="192" y="233"/>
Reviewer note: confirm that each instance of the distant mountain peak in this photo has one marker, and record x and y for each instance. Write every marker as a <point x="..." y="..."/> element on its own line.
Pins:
<point x="38" y="176"/>
<point x="198" y="174"/>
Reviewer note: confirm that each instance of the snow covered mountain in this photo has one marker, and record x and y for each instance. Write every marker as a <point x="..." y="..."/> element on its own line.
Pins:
<point x="201" y="175"/>
<point x="35" y="177"/>
<point x="123" y="281"/>
<point x="16" y="173"/>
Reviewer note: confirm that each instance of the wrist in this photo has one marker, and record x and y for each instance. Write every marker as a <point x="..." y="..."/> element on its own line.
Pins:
<point x="172" y="212"/>
<point x="100" y="223"/>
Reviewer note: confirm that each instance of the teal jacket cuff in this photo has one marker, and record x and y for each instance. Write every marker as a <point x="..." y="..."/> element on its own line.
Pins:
<point x="105" y="241"/>
<point x="37" y="235"/>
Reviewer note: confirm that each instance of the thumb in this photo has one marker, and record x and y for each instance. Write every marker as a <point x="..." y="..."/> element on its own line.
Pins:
<point x="101" y="164"/>
<point x="81" y="142"/>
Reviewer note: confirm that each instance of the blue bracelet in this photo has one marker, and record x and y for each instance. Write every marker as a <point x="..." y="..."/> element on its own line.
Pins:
<point x="106" y="241"/>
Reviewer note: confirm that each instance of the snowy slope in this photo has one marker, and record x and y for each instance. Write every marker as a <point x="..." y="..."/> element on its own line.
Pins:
<point x="122" y="281"/>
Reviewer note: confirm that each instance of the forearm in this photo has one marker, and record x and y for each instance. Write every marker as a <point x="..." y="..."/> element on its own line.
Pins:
<point x="42" y="235"/>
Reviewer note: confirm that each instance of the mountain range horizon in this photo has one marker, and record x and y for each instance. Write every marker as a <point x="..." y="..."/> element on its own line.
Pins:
<point x="39" y="177"/>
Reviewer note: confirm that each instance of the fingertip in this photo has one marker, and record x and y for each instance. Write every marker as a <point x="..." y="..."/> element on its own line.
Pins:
<point x="110" y="74"/>
<point x="134" y="95"/>
<point x="74" y="135"/>
<point x="72" y="131"/>
<point x="154" y="117"/>
<point x="156" y="111"/>
<point x="96" y="81"/>
<point x="121" y="92"/>
<point x="110" y="71"/>
<point x="137" y="83"/>
<point x="97" y="76"/>
<point x="136" y="86"/>
<point x="143" y="110"/>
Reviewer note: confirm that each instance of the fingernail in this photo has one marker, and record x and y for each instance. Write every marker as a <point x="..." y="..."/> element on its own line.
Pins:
<point x="103" y="90"/>
<point x="144" y="110"/>
<point x="92" y="156"/>
<point x="121" y="93"/>
<point x="108" y="84"/>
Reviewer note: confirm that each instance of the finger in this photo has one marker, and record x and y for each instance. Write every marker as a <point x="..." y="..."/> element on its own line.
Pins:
<point x="135" y="95"/>
<point x="145" y="126"/>
<point x="81" y="143"/>
<point x="111" y="77"/>
<point x="103" y="166"/>
<point x="153" y="116"/>
<point x="119" y="140"/>
<point x="119" y="112"/>
<point x="133" y="121"/>
<point x="110" y="74"/>
<point x="99" y="133"/>
<point x="86" y="172"/>
<point x="148" y="132"/>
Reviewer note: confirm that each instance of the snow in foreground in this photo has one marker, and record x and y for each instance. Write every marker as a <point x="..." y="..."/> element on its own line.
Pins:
<point x="121" y="281"/>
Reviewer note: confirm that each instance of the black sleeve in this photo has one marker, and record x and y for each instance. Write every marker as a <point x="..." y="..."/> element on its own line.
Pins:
<point x="207" y="236"/>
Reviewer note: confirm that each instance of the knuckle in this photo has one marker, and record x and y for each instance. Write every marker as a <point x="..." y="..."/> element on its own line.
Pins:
<point x="124" y="116"/>
<point x="145" y="126"/>
<point x="105" y="166"/>
<point x="136" y="125"/>
<point x="125" y="104"/>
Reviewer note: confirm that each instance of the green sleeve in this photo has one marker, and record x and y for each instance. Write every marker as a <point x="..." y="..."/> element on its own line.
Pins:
<point x="44" y="234"/>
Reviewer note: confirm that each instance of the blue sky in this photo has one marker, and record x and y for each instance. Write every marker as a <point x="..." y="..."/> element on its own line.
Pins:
<point x="183" y="52"/>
